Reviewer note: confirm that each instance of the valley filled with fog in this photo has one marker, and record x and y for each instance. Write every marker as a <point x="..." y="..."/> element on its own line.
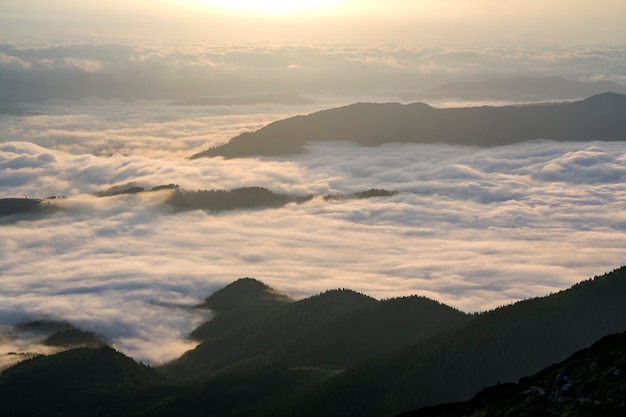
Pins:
<point x="330" y="207"/>
<point x="471" y="227"/>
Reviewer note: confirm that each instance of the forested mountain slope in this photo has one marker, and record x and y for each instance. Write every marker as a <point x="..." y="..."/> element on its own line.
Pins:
<point x="497" y="346"/>
<point x="339" y="353"/>
<point x="591" y="382"/>
<point x="335" y="330"/>
<point x="600" y="117"/>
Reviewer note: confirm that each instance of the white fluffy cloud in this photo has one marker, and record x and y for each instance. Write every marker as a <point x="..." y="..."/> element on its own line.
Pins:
<point x="471" y="227"/>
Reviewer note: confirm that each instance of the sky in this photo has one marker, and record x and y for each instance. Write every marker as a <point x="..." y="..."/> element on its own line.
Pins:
<point x="88" y="100"/>
<point x="444" y="21"/>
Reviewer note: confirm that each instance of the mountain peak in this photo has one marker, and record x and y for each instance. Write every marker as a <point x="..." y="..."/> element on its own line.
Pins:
<point x="243" y="292"/>
<point x="608" y="98"/>
<point x="600" y="117"/>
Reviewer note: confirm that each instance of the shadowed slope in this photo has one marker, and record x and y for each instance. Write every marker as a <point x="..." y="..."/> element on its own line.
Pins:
<point x="600" y="117"/>
<point x="238" y="307"/>
<point x="521" y="88"/>
<point x="373" y="330"/>
<point x="497" y="346"/>
<point x="591" y="382"/>
<point x="244" y="292"/>
<point x="238" y="198"/>
<point x="268" y="363"/>
<point x="32" y="207"/>
<point x="253" y="329"/>
<point x="78" y="382"/>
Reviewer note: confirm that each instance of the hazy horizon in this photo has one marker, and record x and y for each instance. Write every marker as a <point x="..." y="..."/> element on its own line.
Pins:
<point x="398" y="21"/>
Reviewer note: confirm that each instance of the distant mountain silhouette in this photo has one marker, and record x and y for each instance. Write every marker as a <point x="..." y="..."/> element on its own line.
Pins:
<point x="371" y="193"/>
<point x="25" y="206"/>
<point x="58" y="333"/>
<point x="252" y="198"/>
<point x="520" y="89"/>
<point x="237" y="198"/>
<point x="591" y="382"/>
<point x="130" y="188"/>
<point x="599" y="117"/>
<point x="73" y="337"/>
<point x="284" y="99"/>
<point x="43" y="326"/>
<point x="212" y="200"/>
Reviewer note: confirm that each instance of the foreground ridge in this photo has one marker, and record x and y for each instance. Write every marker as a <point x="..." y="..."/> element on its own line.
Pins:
<point x="343" y="353"/>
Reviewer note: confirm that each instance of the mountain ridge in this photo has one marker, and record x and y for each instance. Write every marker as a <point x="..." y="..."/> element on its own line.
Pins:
<point x="592" y="381"/>
<point x="496" y="346"/>
<point x="519" y="88"/>
<point x="253" y="367"/>
<point x="598" y="117"/>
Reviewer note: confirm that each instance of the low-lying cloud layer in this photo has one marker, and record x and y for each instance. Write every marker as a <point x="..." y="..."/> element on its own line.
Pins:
<point x="471" y="227"/>
<point x="34" y="71"/>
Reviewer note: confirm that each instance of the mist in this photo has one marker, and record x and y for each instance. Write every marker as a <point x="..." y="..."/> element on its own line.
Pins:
<point x="33" y="72"/>
<point x="475" y="228"/>
<point x="100" y="96"/>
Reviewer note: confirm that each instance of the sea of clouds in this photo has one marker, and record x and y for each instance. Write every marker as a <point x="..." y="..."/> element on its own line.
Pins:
<point x="36" y="69"/>
<point x="471" y="227"/>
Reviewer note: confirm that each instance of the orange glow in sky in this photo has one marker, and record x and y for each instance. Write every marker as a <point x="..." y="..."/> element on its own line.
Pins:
<point x="398" y="21"/>
<point x="273" y="7"/>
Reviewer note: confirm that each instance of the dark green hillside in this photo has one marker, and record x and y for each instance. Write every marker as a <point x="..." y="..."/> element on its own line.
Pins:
<point x="73" y="337"/>
<point x="79" y="382"/>
<point x="591" y="382"/>
<point x="249" y="388"/>
<point x="333" y="330"/>
<point x="25" y="206"/>
<point x="129" y="188"/>
<point x="238" y="304"/>
<point x="600" y="117"/>
<point x="341" y="353"/>
<point x="252" y="197"/>
<point x="239" y="307"/>
<point x="251" y="335"/>
<point x="371" y="331"/>
<point x="59" y="333"/>
<point x="244" y="292"/>
<point x="238" y="198"/>
<point x="497" y="346"/>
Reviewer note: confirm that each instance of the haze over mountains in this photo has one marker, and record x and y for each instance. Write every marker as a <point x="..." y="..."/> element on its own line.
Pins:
<point x="340" y="352"/>
<point x="598" y="117"/>
<point x="236" y="74"/>
<point x="521" y="89"/>
<point x="472" y="227"/>
<point x="402" y="254"/>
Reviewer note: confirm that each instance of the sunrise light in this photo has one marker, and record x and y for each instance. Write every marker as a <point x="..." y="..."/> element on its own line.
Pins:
<point x="273" y="7"/>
